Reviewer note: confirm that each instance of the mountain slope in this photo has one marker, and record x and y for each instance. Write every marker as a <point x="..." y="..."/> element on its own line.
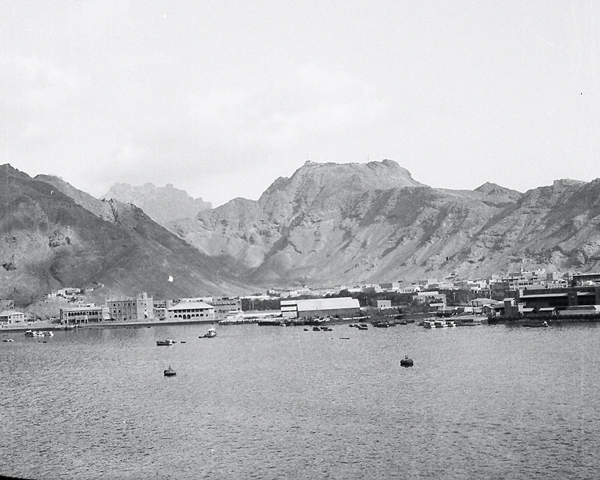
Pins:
<point x="333" y="223"/>
<point x="343" y="224"/>
<point x="161" y="204"/>
<point x="50" y="240"/>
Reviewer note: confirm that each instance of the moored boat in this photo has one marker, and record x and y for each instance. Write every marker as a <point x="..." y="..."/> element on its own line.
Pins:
<point x="33" y="333"/>
<point x="210" y="334"/>
<point x="536" y="324"/>
<point x="406" y="362"/>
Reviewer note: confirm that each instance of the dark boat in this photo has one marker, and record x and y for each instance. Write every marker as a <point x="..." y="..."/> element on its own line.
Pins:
<point x="169" y="372"/>
<point x="381" y="325"/>
<point x="536" y="324"/>
<point x="406" y="362"/>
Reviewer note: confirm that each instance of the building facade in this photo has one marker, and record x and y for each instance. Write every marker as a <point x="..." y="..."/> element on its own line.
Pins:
<point x="131" y="309"/>
<point x="560" y="298"/>
<point x="11" y="317"/>
<point x="89" y="313"/>
<point x="225" y="305"/>
<point x="320" y="307"/>
<point x="191" y="311"/>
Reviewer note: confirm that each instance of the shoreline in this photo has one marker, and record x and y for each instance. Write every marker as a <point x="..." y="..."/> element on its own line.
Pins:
<point x="41" y="326"/>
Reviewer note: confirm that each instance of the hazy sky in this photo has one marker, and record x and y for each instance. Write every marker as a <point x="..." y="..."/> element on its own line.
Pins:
<point x="220" y="98"/>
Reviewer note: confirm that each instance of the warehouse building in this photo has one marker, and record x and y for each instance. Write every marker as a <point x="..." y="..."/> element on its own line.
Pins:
<point x="320" y="307"/>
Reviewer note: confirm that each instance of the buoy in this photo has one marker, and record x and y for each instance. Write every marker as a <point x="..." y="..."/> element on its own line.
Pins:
<point x="406" y="362"/>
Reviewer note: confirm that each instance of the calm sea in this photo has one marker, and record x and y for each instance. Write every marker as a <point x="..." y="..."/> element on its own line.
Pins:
<point x="484" y="402"/>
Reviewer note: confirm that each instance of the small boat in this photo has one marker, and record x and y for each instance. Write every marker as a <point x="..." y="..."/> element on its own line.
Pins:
<point x="33" y="333"/>
<point x="7" y="340"/>
<point x="164" y="343"/>
<point x="428" y="324"/>
<point x="210" y="334"/>
<point x="450" y="324"/>
<point x="406" y="362"/>
<point x="363" y="326"/>
<point x="536" y="324"/>
<point x="169" y="372"/>
<point x="382" y="325"/>
<point x="47" y="333"/>
<point x="440" y="324"/>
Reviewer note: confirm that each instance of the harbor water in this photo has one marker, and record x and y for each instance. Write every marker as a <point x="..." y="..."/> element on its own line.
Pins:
<point x="488" y="402"/>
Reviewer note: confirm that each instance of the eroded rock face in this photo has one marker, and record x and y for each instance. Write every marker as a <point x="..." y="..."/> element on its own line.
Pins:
<point x="162" y="204"/>
<point x="327" y="224"/>
<point x="332" y="223"/>
<point x="53" y="236"/>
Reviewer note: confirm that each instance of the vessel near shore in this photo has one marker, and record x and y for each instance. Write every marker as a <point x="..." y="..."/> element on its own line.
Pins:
<point x="557" y="318"/>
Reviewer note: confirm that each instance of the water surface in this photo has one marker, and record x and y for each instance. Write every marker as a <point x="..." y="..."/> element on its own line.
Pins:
<point x="280" y="402"/>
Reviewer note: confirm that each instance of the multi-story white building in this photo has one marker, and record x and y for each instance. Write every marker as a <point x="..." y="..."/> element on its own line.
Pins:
<point x="11" y="317"/>
<point x="84" y="314"/>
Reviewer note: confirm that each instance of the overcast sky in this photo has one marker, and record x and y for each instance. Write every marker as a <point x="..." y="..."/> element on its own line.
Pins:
<point x="220" y="98"/>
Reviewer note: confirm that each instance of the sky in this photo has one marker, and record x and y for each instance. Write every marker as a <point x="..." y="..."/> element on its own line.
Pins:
<point x="220" y="98"/>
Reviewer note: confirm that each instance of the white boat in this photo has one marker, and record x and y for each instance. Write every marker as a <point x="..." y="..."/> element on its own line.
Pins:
<point x="429" y="324"/>
<point x="211" y="333"/>
<point x="450" y="324"/>
<point x="33" y="333"/>
<point x="47" y="333"/>
<point x="440" y="324"/>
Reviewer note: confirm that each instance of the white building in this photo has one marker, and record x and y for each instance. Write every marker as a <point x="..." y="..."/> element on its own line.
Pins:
<point x="191" y="311"/>
<point x="11" y="317"/>
<point x="320" y="307"/>
<point x="84" y="314"/>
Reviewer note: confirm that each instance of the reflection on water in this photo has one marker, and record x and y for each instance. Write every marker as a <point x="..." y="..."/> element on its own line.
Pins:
<point x="273" y="402"/>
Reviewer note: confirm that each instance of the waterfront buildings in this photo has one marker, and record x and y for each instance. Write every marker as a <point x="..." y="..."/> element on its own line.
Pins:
<point x="84" y="314"/>
<point x="11" y="317"/>
<point x="560" y="298"/>
<point x="161" y="307"/>
<point x="225" y="305"/>
<point x="191" y="311"/>
<point x="131" y="309"/>
<point x="320" y="307"/>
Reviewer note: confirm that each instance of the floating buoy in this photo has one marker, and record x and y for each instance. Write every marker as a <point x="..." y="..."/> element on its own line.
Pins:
<point x="406" y="362"/>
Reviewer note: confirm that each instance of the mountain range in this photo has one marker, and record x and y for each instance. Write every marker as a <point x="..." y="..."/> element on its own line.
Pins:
<point x="328" y="224"/>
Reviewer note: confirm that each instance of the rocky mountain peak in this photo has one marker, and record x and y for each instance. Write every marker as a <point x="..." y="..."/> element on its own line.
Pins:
<point x="162" y="204"/>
